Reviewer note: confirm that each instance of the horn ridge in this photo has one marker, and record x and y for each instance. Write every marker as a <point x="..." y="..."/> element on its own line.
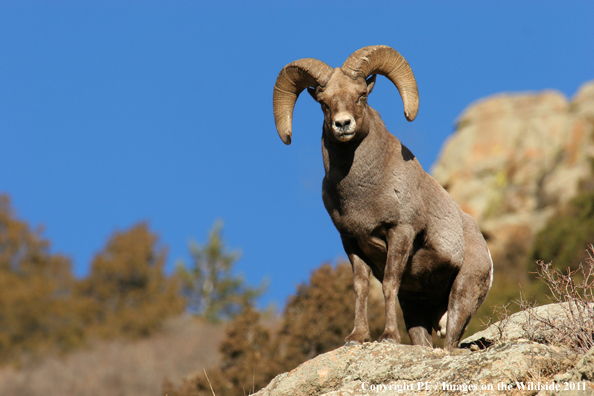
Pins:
<point x="384" y="60"/>
<point x="291" y="81"/>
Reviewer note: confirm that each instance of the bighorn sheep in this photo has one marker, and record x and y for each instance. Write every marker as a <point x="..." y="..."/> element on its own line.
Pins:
<point x="393" y="218"/>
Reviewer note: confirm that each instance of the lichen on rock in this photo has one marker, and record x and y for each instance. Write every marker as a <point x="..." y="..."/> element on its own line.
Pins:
<point x="509" y="361"/>
<point x="514" y="158"/>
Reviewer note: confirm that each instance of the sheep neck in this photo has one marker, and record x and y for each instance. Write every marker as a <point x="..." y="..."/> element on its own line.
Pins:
<point x="358" y="159"/>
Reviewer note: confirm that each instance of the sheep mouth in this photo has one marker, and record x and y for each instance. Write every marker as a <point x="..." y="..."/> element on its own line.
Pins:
<point x="345" y="136"/>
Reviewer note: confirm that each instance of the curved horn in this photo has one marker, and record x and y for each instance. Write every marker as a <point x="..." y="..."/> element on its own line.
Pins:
<point x="381" y="59"/>
<point x="291" y="80"/>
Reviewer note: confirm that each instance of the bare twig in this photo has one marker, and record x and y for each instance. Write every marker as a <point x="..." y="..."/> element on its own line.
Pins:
<point x="574" y="292"/>
<point x="212" y="390"/>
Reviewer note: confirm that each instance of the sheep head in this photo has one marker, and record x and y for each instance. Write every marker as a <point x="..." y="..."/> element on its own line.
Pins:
<point x="342" y="92"/>
<point x="344" y="102"/>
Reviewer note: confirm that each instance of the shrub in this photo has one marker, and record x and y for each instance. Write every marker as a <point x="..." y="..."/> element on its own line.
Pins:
<point x="35" y="292"/>
<point x="127" y="292"/>
<point x="246" y="356"/>
<point x="316" y="320"/>
<point x="566" y="236"/>
<point x="320" y="315"/>
<point x="573" y="290"/>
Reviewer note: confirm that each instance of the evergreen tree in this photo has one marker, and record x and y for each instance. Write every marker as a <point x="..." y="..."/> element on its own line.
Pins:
<point x="209" y="286"/>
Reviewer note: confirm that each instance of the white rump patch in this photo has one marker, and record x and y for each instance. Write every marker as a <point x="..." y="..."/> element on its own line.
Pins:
<point x="491" y="272"/>
<point x="443" y="322"/>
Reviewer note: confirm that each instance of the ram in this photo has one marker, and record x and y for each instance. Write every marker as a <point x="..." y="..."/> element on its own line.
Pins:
<point x="394" y="220"/>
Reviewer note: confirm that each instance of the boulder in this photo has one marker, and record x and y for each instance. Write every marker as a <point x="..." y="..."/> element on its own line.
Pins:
<point x="541" y="324"/>
<point x="514" y="159"/>
<point x="503" y="359"/>
<point x="392" y="369"/>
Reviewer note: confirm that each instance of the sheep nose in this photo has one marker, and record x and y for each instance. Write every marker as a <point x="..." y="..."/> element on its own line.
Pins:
<point x="342" y="123"/>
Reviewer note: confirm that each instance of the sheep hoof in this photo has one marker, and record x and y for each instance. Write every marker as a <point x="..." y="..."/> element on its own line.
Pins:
<point x="352" y="343"/>
<point x="390" y="341"/>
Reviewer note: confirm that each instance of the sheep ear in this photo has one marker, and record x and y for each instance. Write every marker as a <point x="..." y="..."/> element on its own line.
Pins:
<point x="370" y="83"/>
<point x="312" y="92"/>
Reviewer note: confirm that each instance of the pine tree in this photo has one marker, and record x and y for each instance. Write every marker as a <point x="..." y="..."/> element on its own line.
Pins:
<point x="208" y="284"/>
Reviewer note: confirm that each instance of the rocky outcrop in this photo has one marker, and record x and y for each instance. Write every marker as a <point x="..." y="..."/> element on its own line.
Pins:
<point x="511" y="364"/>
<point x="514" y="159"/>
<point x="392" y="369"/>
<point x="549" y="324"/>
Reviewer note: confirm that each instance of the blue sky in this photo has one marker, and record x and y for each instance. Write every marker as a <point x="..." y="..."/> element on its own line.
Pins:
<point x="113" y="113"/>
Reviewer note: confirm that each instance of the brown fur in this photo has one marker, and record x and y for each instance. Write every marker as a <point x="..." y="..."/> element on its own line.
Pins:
<point x="396" y="222"/>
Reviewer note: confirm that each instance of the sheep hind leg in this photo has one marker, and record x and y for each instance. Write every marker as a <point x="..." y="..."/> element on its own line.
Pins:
<point x="440" y="321"/>
<point x="417" y="322"/>
<point x="468" y="292"/>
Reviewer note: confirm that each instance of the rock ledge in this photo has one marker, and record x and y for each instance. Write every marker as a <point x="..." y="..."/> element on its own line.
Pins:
<point x="509" y="364"/>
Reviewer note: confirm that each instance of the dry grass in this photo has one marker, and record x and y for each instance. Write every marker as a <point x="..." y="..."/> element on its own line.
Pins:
<point x="120" y="368"/>
<point x="573" y="291"/>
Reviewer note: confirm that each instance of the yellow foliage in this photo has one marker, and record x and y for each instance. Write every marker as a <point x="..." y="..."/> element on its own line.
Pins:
<point x="35" y="292"/>
<point x="44" y="309"/>
<point x="127" y="292"/>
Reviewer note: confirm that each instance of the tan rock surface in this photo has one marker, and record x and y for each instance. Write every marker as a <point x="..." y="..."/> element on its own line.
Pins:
<point x="514" y="159"/>
<point x="510" y="363"/>
<point x="392" y="369"/>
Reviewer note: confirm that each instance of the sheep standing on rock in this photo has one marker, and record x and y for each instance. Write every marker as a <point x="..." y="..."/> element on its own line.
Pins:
<point x="395" y="221"/>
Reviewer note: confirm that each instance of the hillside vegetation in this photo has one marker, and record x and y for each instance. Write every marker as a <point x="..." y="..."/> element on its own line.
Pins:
<point x="121" y="366"/>
<point x="46" y="310"/>
<point x="120" y="330"/>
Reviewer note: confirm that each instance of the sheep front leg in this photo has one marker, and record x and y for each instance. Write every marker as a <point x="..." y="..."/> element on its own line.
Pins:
<point x="361" y="272"/>
<point x="400" y="241"/>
